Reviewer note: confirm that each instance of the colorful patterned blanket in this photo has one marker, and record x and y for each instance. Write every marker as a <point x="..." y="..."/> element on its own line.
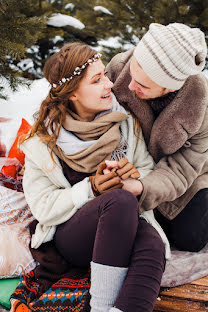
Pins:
<point x="64" y="295"/>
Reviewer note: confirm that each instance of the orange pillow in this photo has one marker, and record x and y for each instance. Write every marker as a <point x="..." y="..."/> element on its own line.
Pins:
<point x="15" y="151"/>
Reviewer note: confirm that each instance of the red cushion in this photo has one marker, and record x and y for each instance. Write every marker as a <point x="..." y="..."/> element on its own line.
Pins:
<point x="15" y="152"/>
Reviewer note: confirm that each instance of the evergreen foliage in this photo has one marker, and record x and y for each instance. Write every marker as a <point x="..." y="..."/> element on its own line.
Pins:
<point x="130" y="19"/>
<point x="21" y="26"/>
<point x="113" y="25"/>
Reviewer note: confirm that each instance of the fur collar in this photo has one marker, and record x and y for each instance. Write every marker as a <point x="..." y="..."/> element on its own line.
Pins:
<point x="180" y="120"/>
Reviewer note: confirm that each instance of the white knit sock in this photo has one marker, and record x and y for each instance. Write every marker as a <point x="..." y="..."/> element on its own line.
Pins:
<point x="106" y="282"/>
<point x="114" y="310"/>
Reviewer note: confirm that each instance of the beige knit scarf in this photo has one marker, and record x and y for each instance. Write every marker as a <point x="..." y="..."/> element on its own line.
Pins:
<point x="104" y="130"/>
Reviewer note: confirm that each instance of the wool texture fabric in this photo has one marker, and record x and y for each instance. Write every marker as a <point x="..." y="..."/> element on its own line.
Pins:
<point x="106" y="133"/>
<point x="86" y="144"/>
<point x="170" y="54"/>
<point x="106" y="282"/>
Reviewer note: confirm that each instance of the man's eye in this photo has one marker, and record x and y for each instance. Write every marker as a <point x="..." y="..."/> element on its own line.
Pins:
<point x="106" y="73"/>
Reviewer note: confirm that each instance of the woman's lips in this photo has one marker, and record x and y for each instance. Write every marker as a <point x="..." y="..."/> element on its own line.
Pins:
<point x="107" y="97"/>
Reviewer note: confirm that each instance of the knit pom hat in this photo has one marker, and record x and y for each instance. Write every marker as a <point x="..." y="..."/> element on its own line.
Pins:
<point x="170" y="54"/>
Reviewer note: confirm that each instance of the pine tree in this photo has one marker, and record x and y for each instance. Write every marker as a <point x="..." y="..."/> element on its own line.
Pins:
<point x="55" y="37"/>
<point x="19" y="30"/>
<point x="130" y="19"/>
<point x="27" y="36"/>
<point x="193" y="13"/>
<point x="125" y="20"/>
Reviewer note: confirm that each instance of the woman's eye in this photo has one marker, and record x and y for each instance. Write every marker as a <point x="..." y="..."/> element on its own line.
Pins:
<point x="97" y="80"/>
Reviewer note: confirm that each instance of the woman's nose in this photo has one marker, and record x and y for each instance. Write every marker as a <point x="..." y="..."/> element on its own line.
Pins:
<point x="109" y="84"/>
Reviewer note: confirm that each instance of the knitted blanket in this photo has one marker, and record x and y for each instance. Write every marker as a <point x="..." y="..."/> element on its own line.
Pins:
<point x="56" y="286"/>
<point x="64" y="295"/>
<point x="72" y="293"/>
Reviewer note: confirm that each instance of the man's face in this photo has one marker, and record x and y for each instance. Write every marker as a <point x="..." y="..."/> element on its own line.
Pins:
<point x="142" y="85"/>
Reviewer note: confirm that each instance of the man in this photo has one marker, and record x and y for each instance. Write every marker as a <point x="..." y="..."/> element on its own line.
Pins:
<point x="160" y="83"/>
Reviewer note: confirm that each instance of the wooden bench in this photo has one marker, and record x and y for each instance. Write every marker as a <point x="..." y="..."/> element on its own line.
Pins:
<point x="189" y="297"/>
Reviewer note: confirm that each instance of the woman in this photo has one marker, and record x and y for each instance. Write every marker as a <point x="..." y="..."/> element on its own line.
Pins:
<point x="81" y="183"/>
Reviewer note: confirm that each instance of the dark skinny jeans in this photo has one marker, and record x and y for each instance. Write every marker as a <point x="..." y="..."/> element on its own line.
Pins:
<point x="107" y="230"/>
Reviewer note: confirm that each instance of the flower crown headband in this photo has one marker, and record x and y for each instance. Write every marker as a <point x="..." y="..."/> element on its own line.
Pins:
<point x="78" y="70"/>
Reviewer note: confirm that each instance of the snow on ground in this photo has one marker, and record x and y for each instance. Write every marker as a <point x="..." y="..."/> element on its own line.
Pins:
<point x="25" y="101"/>
<point x="20" y="104"/>
<point x="61" y="20"/>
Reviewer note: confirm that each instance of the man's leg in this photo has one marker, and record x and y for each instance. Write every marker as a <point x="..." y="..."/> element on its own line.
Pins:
<point x="189" y="230"/>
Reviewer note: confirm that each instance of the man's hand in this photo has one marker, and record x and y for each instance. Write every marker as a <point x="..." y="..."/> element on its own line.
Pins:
<point x="102" y="183"/>
<point x="132" y="185"/>
<point x="127" y="170"/>
<point x="128" y="173"/>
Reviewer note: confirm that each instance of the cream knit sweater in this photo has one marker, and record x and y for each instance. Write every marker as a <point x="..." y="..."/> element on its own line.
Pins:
<point x="53" y="200"/>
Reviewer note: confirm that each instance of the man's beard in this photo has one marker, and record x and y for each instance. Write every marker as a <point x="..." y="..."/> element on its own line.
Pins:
<point x="146" y="98"/>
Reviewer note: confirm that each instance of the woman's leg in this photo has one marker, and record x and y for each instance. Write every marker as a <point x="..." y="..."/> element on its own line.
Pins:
<point x="102" y="231"/>
<point x="142" y="284"/>
<point x="188" y="231"/>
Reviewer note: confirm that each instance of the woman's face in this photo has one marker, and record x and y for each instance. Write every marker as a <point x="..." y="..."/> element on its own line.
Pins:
<point x="93" y="94"/>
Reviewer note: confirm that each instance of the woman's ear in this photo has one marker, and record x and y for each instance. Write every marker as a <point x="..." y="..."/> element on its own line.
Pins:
<point x="73" y="97"/>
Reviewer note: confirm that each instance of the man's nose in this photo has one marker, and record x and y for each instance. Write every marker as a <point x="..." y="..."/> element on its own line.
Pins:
<point x="131" y="86"/>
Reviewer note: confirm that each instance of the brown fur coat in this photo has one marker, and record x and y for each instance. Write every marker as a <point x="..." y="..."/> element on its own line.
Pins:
<point x="177" y="139"/>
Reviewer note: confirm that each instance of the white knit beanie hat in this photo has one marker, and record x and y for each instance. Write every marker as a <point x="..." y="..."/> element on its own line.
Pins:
<point x="170" y="54"/>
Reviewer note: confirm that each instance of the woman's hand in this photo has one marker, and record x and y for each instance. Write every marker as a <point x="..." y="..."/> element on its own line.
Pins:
<point x="128" y="174"/>
<point x="102" y="183"/>
<point x="132" y="185"/>
<point x="111" y="166"/>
